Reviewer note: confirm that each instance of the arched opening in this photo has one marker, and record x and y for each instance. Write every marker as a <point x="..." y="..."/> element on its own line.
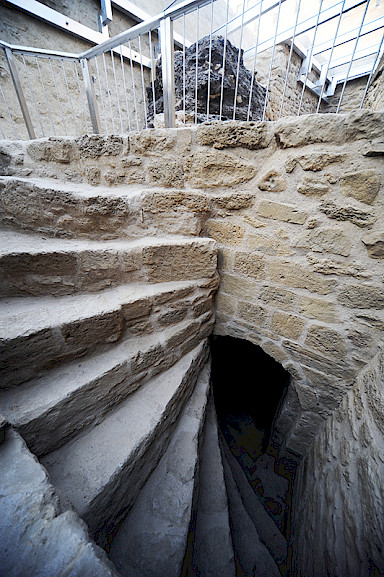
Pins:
<point x="249" y="387"/>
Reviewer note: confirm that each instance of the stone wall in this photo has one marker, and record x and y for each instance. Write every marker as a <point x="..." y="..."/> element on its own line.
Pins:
<point x="375" y="94"/>
<point x="338" y="500"/>
<point x="296" y="207"/>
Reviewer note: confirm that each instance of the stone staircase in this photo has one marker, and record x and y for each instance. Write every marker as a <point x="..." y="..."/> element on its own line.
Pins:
<point x="105" y="376"/>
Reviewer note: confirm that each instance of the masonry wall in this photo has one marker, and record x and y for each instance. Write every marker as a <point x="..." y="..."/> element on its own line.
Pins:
<point x="338" y="500"/>
<point x="296" y="208"/>
<point x="375" y="94"/>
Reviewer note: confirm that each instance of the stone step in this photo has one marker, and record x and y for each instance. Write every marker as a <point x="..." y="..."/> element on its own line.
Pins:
<point x="212" y="550"/>
<point x="252" y="557"/>
<point x="102" y="470"/>
<point x="36" y="537"/>
<point x="153" y="537"/>
<point x="68" y="209"/>
<point x="266" y="527"/>
<point x="51" y="410"/>
<point x="38" y="332"/>
<point x="38" y="265"/>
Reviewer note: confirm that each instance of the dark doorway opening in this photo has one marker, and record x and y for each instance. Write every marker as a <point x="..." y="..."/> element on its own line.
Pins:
<point x="247" y="380"/>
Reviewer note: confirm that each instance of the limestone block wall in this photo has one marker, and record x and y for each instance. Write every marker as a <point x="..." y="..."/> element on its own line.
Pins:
<point x="338" y="499"/>
<point x="296" y="207"/>
<point x="375" y="94"/>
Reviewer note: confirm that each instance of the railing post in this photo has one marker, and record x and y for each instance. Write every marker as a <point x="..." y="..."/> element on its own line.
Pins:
<point x="19" y="92"/>
<point x="168" y="71"/>
<point x="91" y="98"/>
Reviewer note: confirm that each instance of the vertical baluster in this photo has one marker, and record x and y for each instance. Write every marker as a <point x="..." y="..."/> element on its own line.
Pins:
<point x="224" y="55"/>
<point x="117" y="93"/>
<point x="153" y="73"/>
<point x="69" y="98"/>
<point x="142" y="84"/>
<point x="372" y="71"/>
<point x="81" y="97"/>
<point x="309" y="59"/>
<point x="46" y="96"/>
<point x="184" y="68"/>
<point x="133" y="85"/>
<point x="254" y="61"/>
<point x="57" y="96"/>
<point x="197" y="60"/>
<point x="290" y="58"/>
<point x="9" y="114"/>
<point x="101" y="96"/>
<point x="272" y="56"/>
<point x="125" y="88"/>
<point x="238" y="62"/>
<point x="19" y="92"/>
<point x="352" y="57"/>
<point x="33" y="95"/>
<point x="209" y="61"/>
<point x="109" y="93"/>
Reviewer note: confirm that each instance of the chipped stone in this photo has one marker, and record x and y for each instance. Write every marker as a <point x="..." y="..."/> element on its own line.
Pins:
<point x="357" y="216"/>
<point x="312" y="187"/>
<point x="363" y="186"/>
<point x="211" y="169"/>
<point x="374" y="242"/>
<point x="284" y="212"/>
<point x="330" y="240"/>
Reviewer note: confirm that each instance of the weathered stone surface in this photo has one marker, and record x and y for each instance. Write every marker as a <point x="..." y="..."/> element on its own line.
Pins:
<point x="299" y="277"/>
<point x="362" y="297"/>
<point x="225" y="232"/>
<point x="233" y="201"/>
<point x="165" y="173"/>
<point x="59" y="150"/>
<point x="374" y="242"/>
<point x="318" y="160"/>
<point x="234" y="133"/>
<point x="330" y="240"/>
<point x="363" y="186"/>
<point x="284" y="212"/>
<point x="374" y="149"/>
<point x="312" y="187"/>
<point x="360" y="123"/>
<point x="36" y="537"/>
<point x="225" y="304"/>
<point x="311" y="129"/>
<point x="211" y="52"/>
<point x="277" y="297"/>
<point x="326" y="340"/>
<point x="327" y="267"/>
<point x="361" y="218"/>
<point x="95" y="146"/>
<point x="286" y="325"/>
<point x="212" y="169"/>
<point x="252" y="314"/>
<point x="321" y="310"/>
<point x="268" y="245"/>
<point x="153" y="537"/>
<point x="251" y="265"/>
<point x="316" y="360"/>
<point x="273" y="181"/>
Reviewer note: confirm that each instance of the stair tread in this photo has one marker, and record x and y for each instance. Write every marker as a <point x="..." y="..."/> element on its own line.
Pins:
<point x="21" y="405"/>
<point x="15" y="242"/>
<point x="21" y="316"/>
<point x="79" y="469"/>
<point x="153" y="537"/>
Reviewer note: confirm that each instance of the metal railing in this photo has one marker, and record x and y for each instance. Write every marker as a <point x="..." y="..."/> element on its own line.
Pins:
<point x="292" y="56"/>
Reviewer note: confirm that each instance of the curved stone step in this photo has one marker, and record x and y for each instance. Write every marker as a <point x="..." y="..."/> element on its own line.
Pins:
<point x="151" y="541"/>
<point x="68" y="209"/>
<point x="51" y="410"/>
<point x="36" y="333"/>
<point x="212" y="550"/>
<point x="36" y="537"/>
<point x="267" y="530"/>
<point x="37" y="265"/>
<point x="102" y="470"/>
<point x="252" y="557"/>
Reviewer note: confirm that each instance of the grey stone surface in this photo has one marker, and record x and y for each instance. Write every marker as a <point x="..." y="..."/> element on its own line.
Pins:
<point x="153" y="537"/>
<point x="212" y="550"/>
<point x="134" y="436"/>
<point x="36" y="538"/>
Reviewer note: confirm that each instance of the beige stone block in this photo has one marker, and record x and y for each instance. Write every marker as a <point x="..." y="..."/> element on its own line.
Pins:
<point x="225" y="258"/>
<point x="95" y="145"/>
<point x="211" y="169"/>
<point x="328" y="267"/>
<point x="330" y="240"/>
<point x="183" y="335"/>
<point x="363" y="186"/>
<point x="105" y="328"/>
<point x="272" y="181"/>
<point x="251" y="265"/>
<point x="362" y="297"/>
<point x="268" y="245"/>
<point x="252" y="314"/>
<point x="172" y="295"/>
<point x="174" y="263"/>
<point x="326" y="364"/>
<point x="293" y="132"/>
<point x="234" y="201"/>
<point x="225" y="304"/>
<point x="238" y="286"/>
<point x="297" y="276"/>
<point x="93" y="175"/>
<point x="165" y="173"/>
<point x="364" y="124"/>
<point x="255" y="222"/>
<point x="312" y="187"/>
<point x="225" y="232"/>
<point x="275" y="351"/>
<point x="351" y="214"/>
<point x="137" y="308"/>
<point x="284" y="212"/>
<point x="252" y="135"/>
<point x="202" y="307"/>
<point x="144" y="360"/>
<point x="307" y="396"/>
<point x="327" y="341"/>
<point x="289" y="326"/>
<point x="52" y="150"/>
<point x="175" y="315"/>
<point x="319" y="309"/>
<point x="374" y="242"/>
<point x="152" y="141"/>
<point x="318" y="160"/>
<point x="277" y="297"/>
